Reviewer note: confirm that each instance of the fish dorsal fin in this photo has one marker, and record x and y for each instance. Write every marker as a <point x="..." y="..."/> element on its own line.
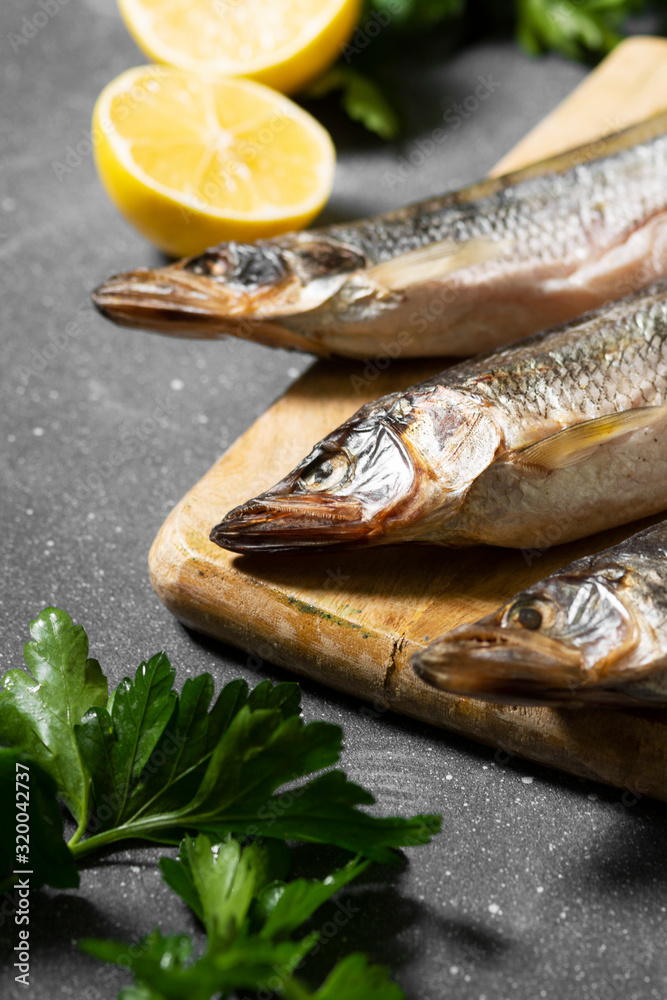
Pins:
<point x="574" y="444"/>
<point x="434" y="261"/>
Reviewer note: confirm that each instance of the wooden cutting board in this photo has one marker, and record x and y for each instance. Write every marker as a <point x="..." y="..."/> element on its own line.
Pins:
<point x="353" y="620"/>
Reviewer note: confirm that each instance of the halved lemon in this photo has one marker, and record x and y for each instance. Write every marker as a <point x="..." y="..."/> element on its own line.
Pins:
<point x="282" y="43"/>
<point x="191" y="161"/>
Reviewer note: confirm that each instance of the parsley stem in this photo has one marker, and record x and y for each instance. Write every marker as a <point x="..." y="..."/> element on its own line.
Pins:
<point x="78" y="834"/>
<point x="98" y="840"/>
<point x="83" y="822"/>
<point x="143" y="830"/>
<point x="292" y="989"/>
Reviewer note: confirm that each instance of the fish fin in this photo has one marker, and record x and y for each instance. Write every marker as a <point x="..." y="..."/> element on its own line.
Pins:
<point x="574" y="444"/>
<point x="436" y="260"/>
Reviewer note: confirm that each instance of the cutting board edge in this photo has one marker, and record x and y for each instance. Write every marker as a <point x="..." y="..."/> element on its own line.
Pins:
<point x="531" y="734"/>
<point x="173" y="568"/>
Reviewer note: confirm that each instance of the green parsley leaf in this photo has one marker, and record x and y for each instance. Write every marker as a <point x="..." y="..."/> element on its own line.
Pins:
<point x="325" y="811"/>
<point x="221" y="771"/>
<point x="159" y="961"/>
<point x="286" y="905"/>
<point x="361" y="98"/>
<point x="138" y="993"/>
<point x="162" y="966"/>
<point x="574" y="30"/>
<point x="220" y="880"/>
<point x="417" y="14"/>
<point x="248" y="918"/>
<point x="118" y="746"/>
<point x="38" y="713"/>
<point x="354" y="979"/>
<point x="176" y="740"/>
<point x="159" y="765"/>
<point x="26" y="787"/>
<point x="578" y="29"/>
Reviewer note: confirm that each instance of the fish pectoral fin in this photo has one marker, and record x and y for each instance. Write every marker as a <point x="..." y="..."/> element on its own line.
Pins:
<point x="574" y="444"/>
<point x="434" y="261"/>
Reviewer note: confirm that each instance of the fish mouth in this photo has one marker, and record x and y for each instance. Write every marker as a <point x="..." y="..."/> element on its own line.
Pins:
<point x="495" y="664"/>
<point x="182" y="303"/>
<point x="355" y="487"/>
<point x="246" y="290"/>
<point x="281" y="524"/>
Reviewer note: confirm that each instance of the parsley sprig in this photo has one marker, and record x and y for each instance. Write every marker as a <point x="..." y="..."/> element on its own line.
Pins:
<point x="233" y="778"/>
<point x="577" y="29"/>
<point x="147" y="762"/>
<point x="254" y="922"/>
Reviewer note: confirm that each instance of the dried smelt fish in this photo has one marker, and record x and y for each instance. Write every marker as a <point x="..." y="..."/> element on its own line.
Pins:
<point x="455" y="275"/>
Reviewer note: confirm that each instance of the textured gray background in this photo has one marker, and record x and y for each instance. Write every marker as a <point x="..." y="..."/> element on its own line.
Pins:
<point x="540" y="885"/>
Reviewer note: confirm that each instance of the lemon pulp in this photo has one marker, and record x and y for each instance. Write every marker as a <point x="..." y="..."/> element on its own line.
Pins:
<point x="191" y="161"/>
<point x="282" y="43"/>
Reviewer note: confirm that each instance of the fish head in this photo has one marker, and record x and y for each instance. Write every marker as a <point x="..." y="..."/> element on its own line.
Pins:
<point x="341" y="493"/>
<point x="368" y="482"/>
<point x="557" y="642"/>
<point x="247" y="290"/>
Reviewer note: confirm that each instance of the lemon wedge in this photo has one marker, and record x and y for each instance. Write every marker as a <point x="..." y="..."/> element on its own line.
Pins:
<point x="282" y="43"/>
<point x="191" y="161"/>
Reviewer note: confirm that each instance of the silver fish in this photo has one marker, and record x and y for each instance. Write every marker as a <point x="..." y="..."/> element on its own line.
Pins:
<point x="455" y="275"/>
<point x="595" y="632"/>
<point x="565" y="432"/>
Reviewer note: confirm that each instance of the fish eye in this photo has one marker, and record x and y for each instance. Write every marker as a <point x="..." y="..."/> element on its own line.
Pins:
<point x="531" y="615"/>
<point x="325" y="473"/>
<point x="529" y="618"/>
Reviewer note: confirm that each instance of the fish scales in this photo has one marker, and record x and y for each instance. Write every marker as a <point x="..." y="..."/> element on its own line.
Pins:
<point x="617" y="360"/>
<point x="455" y="275"/>
<point x="545" y="441"/>
<point x="549" y="217"/>
<point x="594" y="632"/>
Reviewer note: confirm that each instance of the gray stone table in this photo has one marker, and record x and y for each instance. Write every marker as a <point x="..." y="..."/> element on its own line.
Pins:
<point x="540" y="886"/>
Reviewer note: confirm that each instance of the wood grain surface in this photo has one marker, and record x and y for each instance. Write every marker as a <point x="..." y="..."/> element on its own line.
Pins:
<point x="353" y="620"/>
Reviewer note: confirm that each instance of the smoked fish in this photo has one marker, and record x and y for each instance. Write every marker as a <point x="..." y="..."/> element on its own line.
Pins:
<point x="452" y="276"/>
<point x="553" y="438"/>
<point x="595" y="632"/>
